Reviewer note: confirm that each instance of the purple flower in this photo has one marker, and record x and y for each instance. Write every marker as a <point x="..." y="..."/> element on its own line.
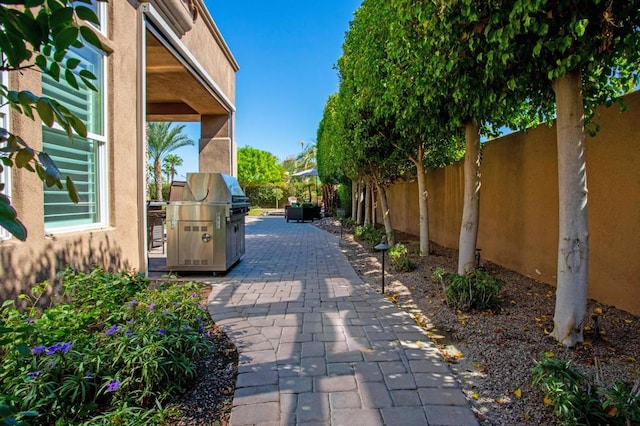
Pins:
<point x="113" y="386"/>
<point x="194" y="294"/>
<point x="161" y="331"/>
<point x="64" y="348"/>
<point x="34" y="374"/>
<point x="167" y="313"/>
<point x="151" y="306"/>
<point x="29" y="320"/>
<point x="130" y="321"/>
<point x="175" y="303"/>
<point x="112" y="330"/>
<point x="129" y="333"/>
<point x="38" y="350"/>
<point x="59" y="347"/>
<point x="201" y="330"/>
<point x="132" y="303"/>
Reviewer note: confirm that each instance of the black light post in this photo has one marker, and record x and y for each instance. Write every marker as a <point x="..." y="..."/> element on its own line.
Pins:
<point x="383" y="247"/>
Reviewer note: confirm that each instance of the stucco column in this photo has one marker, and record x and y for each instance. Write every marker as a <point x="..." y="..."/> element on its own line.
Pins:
<point x="216" y="149"/>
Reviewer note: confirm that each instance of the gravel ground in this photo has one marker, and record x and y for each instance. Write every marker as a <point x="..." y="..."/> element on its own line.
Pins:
<point x="491" y="353"/>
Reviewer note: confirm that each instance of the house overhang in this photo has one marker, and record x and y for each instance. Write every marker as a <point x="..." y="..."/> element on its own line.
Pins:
<point x="177" y="86"/>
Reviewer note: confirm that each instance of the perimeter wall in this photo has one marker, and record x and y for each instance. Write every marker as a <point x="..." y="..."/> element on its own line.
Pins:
<point x="519" y="205"/>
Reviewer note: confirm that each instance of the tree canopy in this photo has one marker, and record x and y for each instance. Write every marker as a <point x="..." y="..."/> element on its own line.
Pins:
<point x="256" y="166"/>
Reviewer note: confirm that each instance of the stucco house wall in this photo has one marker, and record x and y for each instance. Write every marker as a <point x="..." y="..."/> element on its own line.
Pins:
<point x="519" y="205"/>
<point x="121" y="243"/>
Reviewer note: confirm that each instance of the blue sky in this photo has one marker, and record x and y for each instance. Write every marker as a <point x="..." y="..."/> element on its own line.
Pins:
<point x="286" y="51"/>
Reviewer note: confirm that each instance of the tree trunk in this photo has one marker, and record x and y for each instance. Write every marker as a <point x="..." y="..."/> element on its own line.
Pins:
<point x="367" y="204"/>
<point x="354" y="200"/>
<point x="360" y="203"/>
<point x="422" y="204"/>
<point x="158" y="178"/>
<point x="386" y="214"/>
<point x="471" y="207"/>
<point x="573" y="242"/>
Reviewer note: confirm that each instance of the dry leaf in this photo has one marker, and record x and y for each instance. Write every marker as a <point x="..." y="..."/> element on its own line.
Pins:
<point x="475" y="395"/>
<point x="611" y="411"/>
<point x="628" y="321"/>
<point x="518" y="393"/>
<point x="597" y="311"/>
<point x="546" y="331"/>
<point x="527" y="417"/>
<point x="547" y="400"/>
<point x="549" y="354"/>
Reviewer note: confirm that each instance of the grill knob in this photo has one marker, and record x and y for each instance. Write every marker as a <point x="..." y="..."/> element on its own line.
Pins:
<point x="206" y="237"/>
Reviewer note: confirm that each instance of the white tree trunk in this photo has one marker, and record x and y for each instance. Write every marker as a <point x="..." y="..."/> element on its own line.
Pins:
<point x="354" y="199"/>
<point x="573" y="242"/>
<point x="471" y="206"/>
<point x="360" y="202"/>
<point x="386" y="214"/>
<point x="422" y="204"/>
<point x="367" y="204"/>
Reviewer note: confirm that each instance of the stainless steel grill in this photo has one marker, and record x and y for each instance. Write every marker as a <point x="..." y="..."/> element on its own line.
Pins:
<point x="205" y="229"/>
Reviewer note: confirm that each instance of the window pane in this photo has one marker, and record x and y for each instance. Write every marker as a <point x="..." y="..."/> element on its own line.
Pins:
<point x="78" y="160"/>
<point x="84" y="103"/>
<point x="81" y="158"/>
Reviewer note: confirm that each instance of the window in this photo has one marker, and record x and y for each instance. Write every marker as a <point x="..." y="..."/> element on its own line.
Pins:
<point x="83" y="159"/>
<point x="5" y="176"/>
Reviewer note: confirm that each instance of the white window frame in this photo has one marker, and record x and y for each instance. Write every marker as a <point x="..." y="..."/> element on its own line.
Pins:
<point x="102" y="174"/>
<point x="5" y="176"/>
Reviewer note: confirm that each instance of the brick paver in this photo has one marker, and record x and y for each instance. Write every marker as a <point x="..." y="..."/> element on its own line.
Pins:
<point x="318" y="345"/>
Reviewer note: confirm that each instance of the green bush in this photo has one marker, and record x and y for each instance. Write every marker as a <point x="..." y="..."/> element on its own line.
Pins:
<point x="476" y="290"/>
<point x="344" y="198"/>
<point x="579" y="400"/>
<point x="369" y="234"/>
<point x="399" y="255"/>
<point x="118" y="348"/>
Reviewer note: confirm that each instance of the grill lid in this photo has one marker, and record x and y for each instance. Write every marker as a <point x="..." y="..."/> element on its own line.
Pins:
<point x="214" y="188"/>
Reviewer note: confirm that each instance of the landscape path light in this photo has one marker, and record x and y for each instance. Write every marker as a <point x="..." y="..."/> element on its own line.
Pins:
<point x="383" y="247"/>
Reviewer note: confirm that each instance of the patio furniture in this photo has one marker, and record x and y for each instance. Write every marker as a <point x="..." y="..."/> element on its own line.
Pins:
<point x="302" y="212"/>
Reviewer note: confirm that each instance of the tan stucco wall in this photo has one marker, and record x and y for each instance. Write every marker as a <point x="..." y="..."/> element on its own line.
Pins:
<point x="114" y="247"/>
<point x="519" y="205"/>
<point x="120" y="245"/>
<point x="213" y="59"/>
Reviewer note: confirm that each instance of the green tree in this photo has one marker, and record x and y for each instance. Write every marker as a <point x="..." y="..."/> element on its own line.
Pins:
<point x="258" y="167"/>
<point x="37" y="34"/>
<point x="307" y="157"/>
<point x="469" y="80"/>
<point x="579" y="54"/>
<point x="388" y="90"/>
<point x="163" y="139"/>
<point x="169" y="164"/>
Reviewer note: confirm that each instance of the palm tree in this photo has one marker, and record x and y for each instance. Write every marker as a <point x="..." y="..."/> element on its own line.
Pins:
<point x="169" y="165"/>
<point x="162" y="139"/>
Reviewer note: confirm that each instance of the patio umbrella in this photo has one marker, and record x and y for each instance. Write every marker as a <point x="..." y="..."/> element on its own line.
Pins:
<point x="308" y="173"/>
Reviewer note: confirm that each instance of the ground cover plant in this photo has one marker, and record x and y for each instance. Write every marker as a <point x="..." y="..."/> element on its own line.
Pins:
<point x="114" y="353"/>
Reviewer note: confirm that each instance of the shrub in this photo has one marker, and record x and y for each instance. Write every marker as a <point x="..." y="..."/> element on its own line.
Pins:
<point x="399" y="255"/>
<point x="344" y="198"/>
<point x="476" y="290"/>
<point x="369" y="234"/>
<point x="577" y="399"/>
<point x="119" y="346"/>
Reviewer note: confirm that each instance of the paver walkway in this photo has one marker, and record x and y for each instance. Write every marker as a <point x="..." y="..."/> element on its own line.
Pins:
<point x="319" y="346"/>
